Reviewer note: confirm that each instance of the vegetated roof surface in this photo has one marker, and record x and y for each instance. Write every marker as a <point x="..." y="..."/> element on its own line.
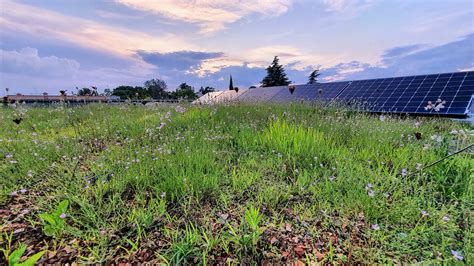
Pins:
<point x="239" y="183"/>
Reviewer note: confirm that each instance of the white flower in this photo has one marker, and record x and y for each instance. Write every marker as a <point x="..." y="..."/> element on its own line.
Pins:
<point x="371" y="193"/>
<point x="424" y="213"/>
<point x="446" y="218"/>
<point x="375" y="227"/>
<point x="382" y="118"/>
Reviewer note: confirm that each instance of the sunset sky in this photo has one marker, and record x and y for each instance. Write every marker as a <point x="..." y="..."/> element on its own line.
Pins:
<point x="48" y="45"/>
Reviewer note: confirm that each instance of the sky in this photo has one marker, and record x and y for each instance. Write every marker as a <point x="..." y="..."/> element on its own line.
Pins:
<point x="52" y="45"/>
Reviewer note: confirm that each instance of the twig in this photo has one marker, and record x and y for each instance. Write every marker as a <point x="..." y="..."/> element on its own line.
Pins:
<point x="442" y="159"/>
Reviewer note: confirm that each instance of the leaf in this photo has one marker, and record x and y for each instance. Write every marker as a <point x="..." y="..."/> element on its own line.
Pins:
<point x="16" y="255"/>
<point x="300" y="250"/>
<point x="49" y="230"/>
<point x="32" y="260"/>
<point x="47" y="218"/>
<point x="273" y="240"/>
<point x="62" y="207"/>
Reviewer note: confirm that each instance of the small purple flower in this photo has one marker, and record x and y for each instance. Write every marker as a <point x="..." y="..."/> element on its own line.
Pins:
<point x="424" y="213"/>
<point x="368" y="186"/>
<point x="23" y="191"/>
<point x="371" y="193"/>
<point x="404" y="172"/>
<point x="446" y="218"/>
<point x="331" y="178"/>
<point x="457" y="255"/>
<point x="8" y="155"/>
<point x="14" y="194"/>
<point x="163" y="195"/>
<point x="62" y="216"/>
<point x="375" y="227"/>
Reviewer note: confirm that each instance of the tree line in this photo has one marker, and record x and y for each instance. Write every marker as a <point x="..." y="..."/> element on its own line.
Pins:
<point x="157" y="89"/>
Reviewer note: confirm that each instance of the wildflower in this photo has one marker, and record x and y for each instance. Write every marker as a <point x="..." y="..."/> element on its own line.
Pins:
<point x="424" y="213"/>
<point x="417" y="124"/>
<point x="457" y="255"/>
<point x="14" y="194"/>
<point x="180" y="109"/>
<point x="62" y="216"/>
<point x="419" y="166"/>
<point x="371" y="193"/>
<point x="437" y="138"/>
<point x="454" y="132"/>
<point x="375" y="227"/>
<point x="162" y="125"/>
<point x="446" y="218"/>
<point x="9" y="155"/>
<point x="13" y="161"/>
<point x="163" y="195"/>
<point x="23" y="191"/>
<point x="382" y="118"/>
<point x="404" y="172"/>
<point x="368" y="186"/>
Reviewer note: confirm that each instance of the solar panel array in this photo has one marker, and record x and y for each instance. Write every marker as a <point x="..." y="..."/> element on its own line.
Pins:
<point x="440" y="94"/>
<point x="444" y="94"/>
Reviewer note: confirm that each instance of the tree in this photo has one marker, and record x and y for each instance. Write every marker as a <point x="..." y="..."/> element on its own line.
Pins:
<point x="276" y="75"/>
<point x="129" y="92"/>
<point x="156" y="88"/>
<point x="184" y="91"/>
<point x="206" y="90"/>
<point x="313" y="77"/>
<point x="107" y="92"/>
<point x="87" y="92"/>
<point x="231" y="84"/>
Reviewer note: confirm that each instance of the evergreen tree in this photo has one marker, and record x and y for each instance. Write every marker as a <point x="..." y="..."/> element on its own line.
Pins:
<point x="276" y="75"/>
<point x="313" y="77"/>
<point x="231" y="84"/>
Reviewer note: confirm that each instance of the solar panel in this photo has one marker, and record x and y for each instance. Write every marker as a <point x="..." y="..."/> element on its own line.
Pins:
<point x="448" y="94"/>
<point x="260" y="94"/>
<point x="443" y="94"/>
<point x="311" y="92"/>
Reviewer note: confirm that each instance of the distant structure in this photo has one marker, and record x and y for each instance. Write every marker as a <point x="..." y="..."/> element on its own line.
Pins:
<point x="45" y="98"/>
<point x="231" y="84"/>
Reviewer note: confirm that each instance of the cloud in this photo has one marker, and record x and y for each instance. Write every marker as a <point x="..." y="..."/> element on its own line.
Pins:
<point x="181" y="60"/>
<point x="210" y="15"/>
<point x="45" y="24"/>
<point x="352" y="6"/>
<point x="27" y="62"/>
<point x="410" y="60"/>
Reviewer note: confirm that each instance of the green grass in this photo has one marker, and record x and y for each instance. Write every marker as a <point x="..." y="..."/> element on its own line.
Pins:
<point x="235" y="184"/>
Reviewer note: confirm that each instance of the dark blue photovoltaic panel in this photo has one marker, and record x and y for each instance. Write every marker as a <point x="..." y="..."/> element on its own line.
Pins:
<point x="260" y="94"/>
<point x="443" y="94"/>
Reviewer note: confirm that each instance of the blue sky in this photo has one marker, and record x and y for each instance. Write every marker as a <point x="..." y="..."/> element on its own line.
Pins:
<point x="48" y="45"/>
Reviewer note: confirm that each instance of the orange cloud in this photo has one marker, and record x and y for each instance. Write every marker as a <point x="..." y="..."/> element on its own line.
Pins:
<point x="210" y="15"/>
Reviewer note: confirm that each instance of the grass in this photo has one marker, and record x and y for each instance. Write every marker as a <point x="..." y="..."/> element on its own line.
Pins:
<point x="234" y="184"/>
